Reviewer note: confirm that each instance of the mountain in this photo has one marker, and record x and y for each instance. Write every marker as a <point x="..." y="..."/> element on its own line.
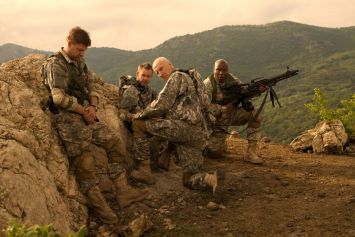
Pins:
<point x="12" y="51"/>
<point x="324" y="56"/>
<point x="250" y="50"/>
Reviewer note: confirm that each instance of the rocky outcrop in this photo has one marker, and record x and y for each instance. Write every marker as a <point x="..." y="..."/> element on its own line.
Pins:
<point x="36" y="185"/>
<point x="326" y="137"/>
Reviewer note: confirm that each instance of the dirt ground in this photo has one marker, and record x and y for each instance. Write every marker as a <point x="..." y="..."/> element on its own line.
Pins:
<point x="292" y="194"/>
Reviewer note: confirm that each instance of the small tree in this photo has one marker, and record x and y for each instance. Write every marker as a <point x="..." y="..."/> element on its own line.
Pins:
<point x="345" y="113"/>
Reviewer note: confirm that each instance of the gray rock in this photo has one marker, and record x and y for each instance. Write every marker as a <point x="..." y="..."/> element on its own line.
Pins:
<point x="326" y="137"/>
<point x="137" y="227"/>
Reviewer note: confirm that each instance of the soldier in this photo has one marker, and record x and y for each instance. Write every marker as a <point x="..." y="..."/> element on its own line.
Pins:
<point x="177" y="116"/>
<point x="135" y="95"/>
<point x="75" y="101"/>
<point x="229" y="115"/>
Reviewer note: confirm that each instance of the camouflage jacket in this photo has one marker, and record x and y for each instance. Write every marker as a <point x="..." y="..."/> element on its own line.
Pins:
<point x="70" y="81"/>
<point x="214" y="92"/>
<point x="213" y="87"/>
<point x="178" y="100"/>
<point x="135" y="98"/>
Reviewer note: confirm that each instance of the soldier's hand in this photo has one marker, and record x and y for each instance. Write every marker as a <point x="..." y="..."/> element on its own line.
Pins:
<point x="263" y="88"/>
<point x="89" y="115"/>
<point x="91" y="110"/>
<point x="229" y="107"/>
<point x="135" y="116"/>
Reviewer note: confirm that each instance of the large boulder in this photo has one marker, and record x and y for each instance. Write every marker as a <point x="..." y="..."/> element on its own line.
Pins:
<point x="36" y="185"/>
<point x="326" y="137"/>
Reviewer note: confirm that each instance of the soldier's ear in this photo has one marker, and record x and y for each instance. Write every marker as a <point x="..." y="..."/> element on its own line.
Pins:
<point x="69" y="43"/>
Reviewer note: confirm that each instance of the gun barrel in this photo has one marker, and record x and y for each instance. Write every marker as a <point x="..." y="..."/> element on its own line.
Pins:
<point x="283" y="76"/>
<point x="252" y="89"/>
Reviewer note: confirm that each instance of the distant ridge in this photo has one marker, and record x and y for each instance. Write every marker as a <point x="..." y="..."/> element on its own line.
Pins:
<point x="11" y="51"/>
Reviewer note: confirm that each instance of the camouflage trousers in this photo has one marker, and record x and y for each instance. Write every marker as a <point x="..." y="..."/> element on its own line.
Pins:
<point x="233" y="117"/>
<point x="79" y="138"/>
<point x="188" y="141"/>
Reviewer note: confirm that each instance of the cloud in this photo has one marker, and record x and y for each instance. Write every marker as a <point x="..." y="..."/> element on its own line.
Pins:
<point x="138" y="24"/>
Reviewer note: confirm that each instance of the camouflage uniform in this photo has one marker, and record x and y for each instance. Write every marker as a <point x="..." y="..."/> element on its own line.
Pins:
<point x="177" y="116"/>
<point x="228" y="115"/>
<point x="135" y="98"/>
<point x="74" y="80"/>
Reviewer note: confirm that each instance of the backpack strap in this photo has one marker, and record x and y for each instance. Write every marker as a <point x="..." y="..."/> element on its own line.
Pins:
<point x="214" y="88"/>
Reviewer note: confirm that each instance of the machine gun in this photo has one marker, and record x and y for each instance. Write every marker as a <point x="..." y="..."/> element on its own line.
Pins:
<point x="242" y="93"/>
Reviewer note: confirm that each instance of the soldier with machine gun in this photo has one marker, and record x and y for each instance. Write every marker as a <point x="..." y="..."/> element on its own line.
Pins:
<point x="231" y="106"/>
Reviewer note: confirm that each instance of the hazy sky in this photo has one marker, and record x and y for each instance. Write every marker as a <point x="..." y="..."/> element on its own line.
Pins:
<point x="143" y="24"/>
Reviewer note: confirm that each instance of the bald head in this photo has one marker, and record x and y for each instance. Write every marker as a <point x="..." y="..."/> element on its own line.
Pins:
<point x="163" y="67"/>
<point x="220" y="61"/>
<point x="220" y="70"/>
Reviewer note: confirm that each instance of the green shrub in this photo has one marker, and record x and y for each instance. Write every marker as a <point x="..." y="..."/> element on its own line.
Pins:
<point x="21" y="230"/>
<point x="345" y="113"/>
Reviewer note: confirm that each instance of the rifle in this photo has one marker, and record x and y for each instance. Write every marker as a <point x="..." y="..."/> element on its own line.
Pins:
<point x="242" y="93"/>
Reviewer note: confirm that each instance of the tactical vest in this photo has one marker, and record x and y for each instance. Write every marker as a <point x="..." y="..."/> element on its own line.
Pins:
<point x="228" y="81"/>
<point x="125" y="81"/>
<point x="77" y="80"/>
<point x="198" y="87"/>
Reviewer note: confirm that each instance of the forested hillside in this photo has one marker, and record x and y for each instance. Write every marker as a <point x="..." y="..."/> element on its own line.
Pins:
<point x="11" y="51"/>
<point x="324" y="56"/>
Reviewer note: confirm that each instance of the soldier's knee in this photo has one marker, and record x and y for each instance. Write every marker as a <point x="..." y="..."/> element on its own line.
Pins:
<point x="139" y="128"/>
<point x="85" y="166"/>
<point x="254" y="122"/>
<point x="216" y="145"/>
<point x="115" y="169"/>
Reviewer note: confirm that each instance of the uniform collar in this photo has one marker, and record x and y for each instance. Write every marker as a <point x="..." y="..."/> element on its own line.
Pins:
<point x="69" y="60"/>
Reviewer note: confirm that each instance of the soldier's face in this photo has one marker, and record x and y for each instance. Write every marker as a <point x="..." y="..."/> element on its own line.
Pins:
<point x="163" y="70"/>
<point x="76" y="50"/>
<point x="144" y="76"/>
<point x="220" y="71"/>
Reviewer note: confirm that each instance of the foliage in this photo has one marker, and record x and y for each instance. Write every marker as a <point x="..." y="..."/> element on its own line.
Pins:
<point x="320" y="106"/>
<point x="21" y="230"/>
<point x="345" y="113"/>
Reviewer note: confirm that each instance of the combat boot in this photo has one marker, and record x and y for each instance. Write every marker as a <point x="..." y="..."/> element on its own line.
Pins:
<point x="142" y="173"/>
<point x="251" y="155"/>
<point x="125" y="194"/>
<point x="215" y="180"/>
<point x="101" y="209"/>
